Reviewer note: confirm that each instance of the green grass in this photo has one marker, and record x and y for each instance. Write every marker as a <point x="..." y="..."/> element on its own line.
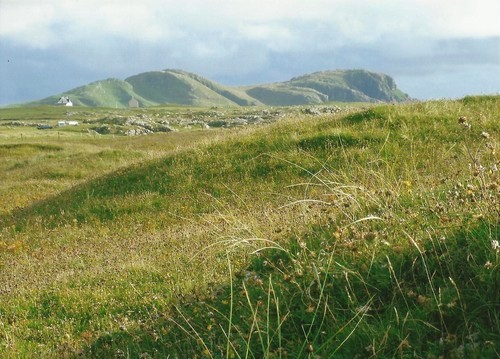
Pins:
<point x="368" y="234"/>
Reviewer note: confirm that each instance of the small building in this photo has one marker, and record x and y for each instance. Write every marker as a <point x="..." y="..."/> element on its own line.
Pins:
<point x="67" y="123"/>
<point x="65" y="101"/>
<point x="133" y="103"/>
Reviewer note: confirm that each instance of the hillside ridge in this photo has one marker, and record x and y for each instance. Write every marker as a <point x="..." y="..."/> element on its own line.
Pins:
<point x="174" y="86"/>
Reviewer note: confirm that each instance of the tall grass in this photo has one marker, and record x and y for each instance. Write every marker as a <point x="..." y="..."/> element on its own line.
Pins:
<point x="372" y="235"/>
<point x="408" y="279"/>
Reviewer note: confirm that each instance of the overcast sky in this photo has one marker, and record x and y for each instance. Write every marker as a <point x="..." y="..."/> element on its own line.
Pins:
<point x="432" y="48"/>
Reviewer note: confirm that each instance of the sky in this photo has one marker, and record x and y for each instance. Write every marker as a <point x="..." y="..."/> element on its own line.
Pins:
<point x="432" y="48"/>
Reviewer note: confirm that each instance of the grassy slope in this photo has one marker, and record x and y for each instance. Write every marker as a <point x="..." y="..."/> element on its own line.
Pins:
<point x="178" y="87"/>
<point x="233" y="94"/>
<point x="181" y="87"/>
<point x="319" y="87"/>
<point x="352" y="85"/>
<point x="381" y="226"/>
<point x="105" y="93"/>
<point x="279" y="95"/>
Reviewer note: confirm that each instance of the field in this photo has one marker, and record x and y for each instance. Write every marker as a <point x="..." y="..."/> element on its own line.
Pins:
<point x="257" y="233"/>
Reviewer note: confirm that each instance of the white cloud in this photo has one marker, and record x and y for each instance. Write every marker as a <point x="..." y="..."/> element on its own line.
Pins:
<point x="29" y="25"/>
<point x="466" y="18"/>
<point x="249" y="40"/>
<point x="36" y="23"/>
<point x="49" y="23"/>
<point x="276" y="37"/>
<point x="131" y="21"/>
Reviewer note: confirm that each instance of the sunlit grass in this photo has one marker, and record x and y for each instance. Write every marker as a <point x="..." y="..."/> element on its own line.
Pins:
<point x="372" y="234"/>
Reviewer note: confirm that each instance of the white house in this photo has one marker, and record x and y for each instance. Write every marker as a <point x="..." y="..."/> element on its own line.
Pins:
<point x="67" y="123"/>
<point x="65" y="100"/>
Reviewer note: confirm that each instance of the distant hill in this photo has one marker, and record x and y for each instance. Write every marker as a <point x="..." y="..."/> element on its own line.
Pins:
<point x="345" y="86"/>
<point x="181" y="87"/>
<point x="185" y="88"/>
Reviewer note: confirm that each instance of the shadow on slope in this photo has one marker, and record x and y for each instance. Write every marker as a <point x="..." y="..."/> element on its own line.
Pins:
<point x="320" y="296"/>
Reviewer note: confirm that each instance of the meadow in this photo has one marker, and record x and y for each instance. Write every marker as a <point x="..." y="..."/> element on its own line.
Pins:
<point x="372" y="232"/>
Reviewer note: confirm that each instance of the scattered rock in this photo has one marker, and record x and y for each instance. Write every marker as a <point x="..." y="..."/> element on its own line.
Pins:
<point x="321" y="110"/>
<point x="311" y="111"/>
<point x="138" y="132"/>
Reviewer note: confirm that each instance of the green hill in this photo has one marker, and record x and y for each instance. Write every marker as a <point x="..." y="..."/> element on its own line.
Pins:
<point x="286" y="95"/>
<point x="104" y="93"/>
<point x="344" y="86"/>
<point x="352" y="86"/>
<point x="185" y="88"/>
<point x="180" y="87"/>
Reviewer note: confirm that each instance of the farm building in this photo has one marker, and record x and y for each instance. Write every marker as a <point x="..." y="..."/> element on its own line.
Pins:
<point x="67" y="123"/>
<point x="133" y="103"/>
<point x="65" y="101"/>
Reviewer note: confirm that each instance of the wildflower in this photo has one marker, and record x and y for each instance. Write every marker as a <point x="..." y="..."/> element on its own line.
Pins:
<point x="422" y="299"/>
<point x="488" y="265"/>
<point x="495" y="244"/>
<point x="253" y="279"/>
<point x="485" y="135"/>
<point x="478" y="168"/>
<point x="411" y="294"/>
<point x="452" y="304"/>
<point x="463" y="122"/>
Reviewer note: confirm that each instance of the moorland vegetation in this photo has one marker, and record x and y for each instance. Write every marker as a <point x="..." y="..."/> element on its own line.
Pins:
<point x="367" y="232"/>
